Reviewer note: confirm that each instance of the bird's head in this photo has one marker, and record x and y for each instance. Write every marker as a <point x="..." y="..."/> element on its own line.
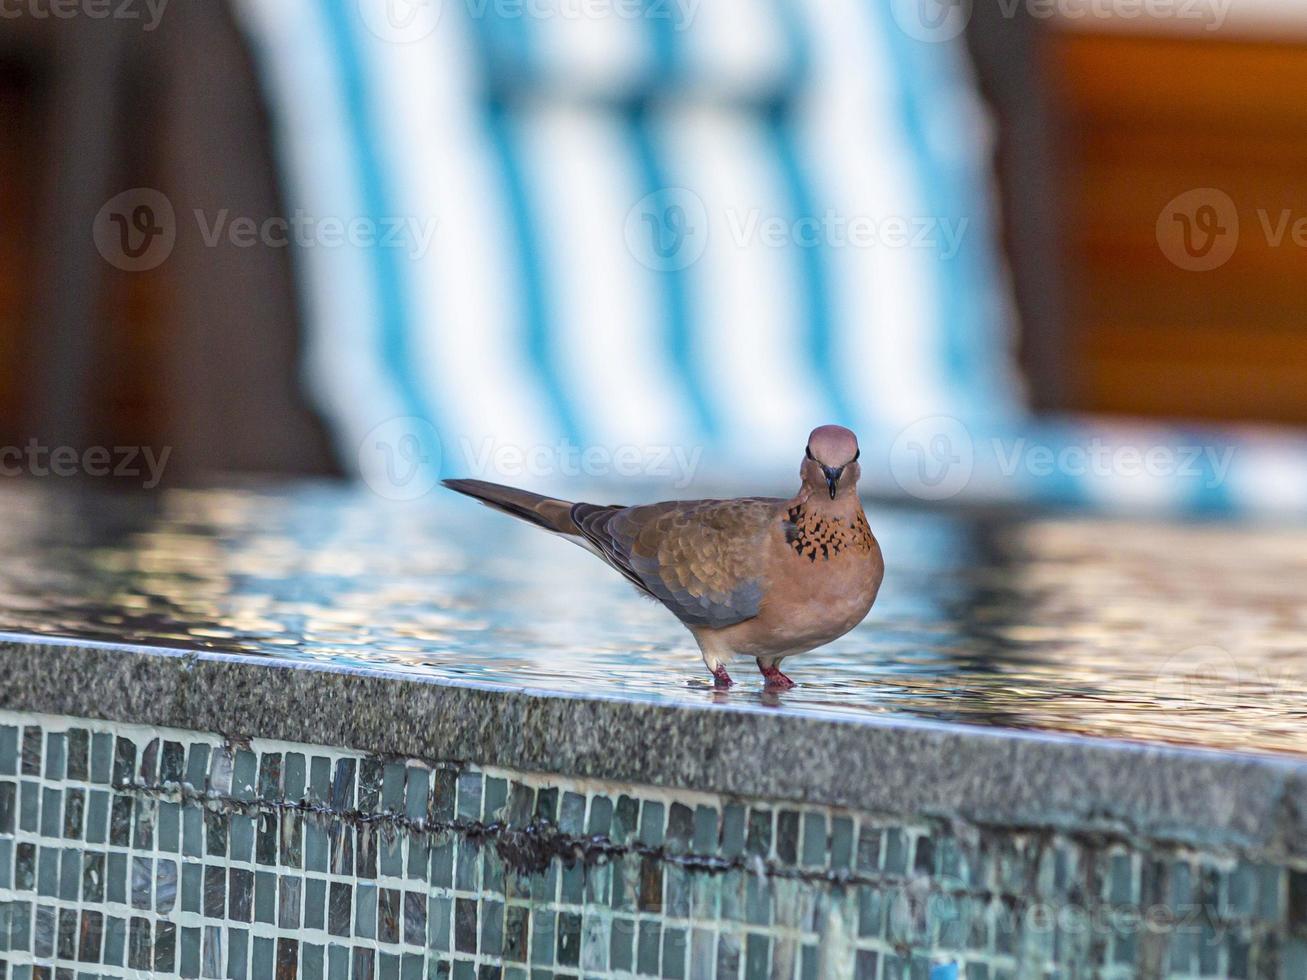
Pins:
<point x="830" y="464"/>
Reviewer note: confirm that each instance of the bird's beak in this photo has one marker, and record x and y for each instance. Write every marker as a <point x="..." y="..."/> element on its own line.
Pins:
<point x="832" y="478"/>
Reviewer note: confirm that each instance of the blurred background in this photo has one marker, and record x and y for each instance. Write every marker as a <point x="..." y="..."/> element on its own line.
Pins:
<point x="705" y="226"/>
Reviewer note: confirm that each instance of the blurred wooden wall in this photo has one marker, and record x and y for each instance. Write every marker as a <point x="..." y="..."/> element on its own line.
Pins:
<point x="1142" y="119"/>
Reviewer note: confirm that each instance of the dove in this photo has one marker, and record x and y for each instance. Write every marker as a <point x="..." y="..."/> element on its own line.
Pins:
<point x="759" y="577"/>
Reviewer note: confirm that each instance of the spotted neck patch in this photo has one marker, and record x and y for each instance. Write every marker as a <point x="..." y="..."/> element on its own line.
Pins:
<point x="815" y="536"/>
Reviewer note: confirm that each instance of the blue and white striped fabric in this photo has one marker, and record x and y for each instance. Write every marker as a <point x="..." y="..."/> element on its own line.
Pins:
<point x="607" y="227"/>
<point x="600" y="201"/>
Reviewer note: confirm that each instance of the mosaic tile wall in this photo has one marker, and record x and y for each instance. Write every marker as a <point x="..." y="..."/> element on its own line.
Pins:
<point x="127" y="852"/>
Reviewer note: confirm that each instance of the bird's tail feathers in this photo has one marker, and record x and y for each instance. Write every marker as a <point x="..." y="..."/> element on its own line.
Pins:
<point x="549" y="513"/>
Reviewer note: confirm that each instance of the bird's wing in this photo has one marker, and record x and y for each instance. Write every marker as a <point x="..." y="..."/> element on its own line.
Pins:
<point x="702" y="558"/>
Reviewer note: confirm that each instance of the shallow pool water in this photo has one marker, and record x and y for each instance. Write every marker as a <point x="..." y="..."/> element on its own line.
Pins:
<point x="1186" y="634"/>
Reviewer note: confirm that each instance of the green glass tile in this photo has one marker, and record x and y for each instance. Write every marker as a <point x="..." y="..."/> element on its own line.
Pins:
<point x="265" y="838"/>
<point x="621" y="947"/>
<point x="387" y="966"/>
<point x="265" y="897"/>
<point x="238" y="954"/>
<point x="469" y="796"/>
<point x="70" y="874"/>
<point x="814" y="840"/>
<point x="543" y="923"/>
<point x="315" y="845"/>
<point x="1182" y="894"/>
<point x="393" y="778"/>
<point x="47" y="871"/>
<point x="757" y="952"/>
<point x="439" y="917"/>
<point x="600" y="823"/>
<point x="1120" y="881"/>
<point x="79" y="746"/>
<point x="841" y="843"/>
<point x="676" y="892"/>
<point x="169" y="817"/>
<point x="414" y="922"/>
<point x="263" y="960"/>
<point x="809" y="959"/>
<point x="115" y="879"/>
<point x="674" y="953"/>
<point x="787" y="837"/>
<point x="190" y="952"/>
<point x="595" y="944"/>
<point x="571" y="883"/>
<point x="6" y="865"/>
<point x="8" y="750"/>
<point x="757" y="900"/>
<point x="312" y="962"/>
<point x="568" y="951"/>
<point x="8" y="807"/>
<point x="192" y="830"/>
<point x="232" y="774"/>
<point x="626" y="817"/>
<point x="411" y="967"/>
<point x="29" y="805"/>
<point x="465" y="925"/>
<point x="1271" y="882"/>
<point x="315" y="903"/>
<point x="56" y="758"/>
<point x="52" y="804"/>
<point x="337" y="962"/>
<point x="442" y="864"/>
<point x="467" y="859"/>
<point x="896" y="851"/>
<point x="115" y="941"/>
<point x="392" y="855"/>
<point x="97" y="817"/>
<point x="571" y="815"/>
<point x="547" y="804"/>
<point x="648" y="948"/>
<point x="728" y="956"/>
<point x="240" y="838"/>
<point x="365" y="911"/>
<point x="417" y="789"/>
<point x="652" y="817"/>
<point x="197" y="766"/>
<point x="319" y="779"/>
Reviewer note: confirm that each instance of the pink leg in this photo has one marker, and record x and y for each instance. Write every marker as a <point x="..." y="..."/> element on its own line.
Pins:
<point x="774" y="678"/>
<point x="720" y="677"/>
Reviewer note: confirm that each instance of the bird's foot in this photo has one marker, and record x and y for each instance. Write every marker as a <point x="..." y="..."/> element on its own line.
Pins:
<point x="774" y="678"/>
<point x="720" y="678"/>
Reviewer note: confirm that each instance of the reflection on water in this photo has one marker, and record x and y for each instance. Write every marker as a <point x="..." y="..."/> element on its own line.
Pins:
<point x="1134" y="630"/>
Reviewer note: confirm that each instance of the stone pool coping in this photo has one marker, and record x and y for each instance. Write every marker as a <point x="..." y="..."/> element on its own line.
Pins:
<point x="986" y="777"/>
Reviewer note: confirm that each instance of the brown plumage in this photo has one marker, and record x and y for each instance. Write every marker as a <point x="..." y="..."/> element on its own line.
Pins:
<point x="757" y="576"/>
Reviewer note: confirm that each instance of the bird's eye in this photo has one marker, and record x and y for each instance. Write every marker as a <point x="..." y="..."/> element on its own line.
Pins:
<point x="808" y="451"/>
<point x="856" y="455"/>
